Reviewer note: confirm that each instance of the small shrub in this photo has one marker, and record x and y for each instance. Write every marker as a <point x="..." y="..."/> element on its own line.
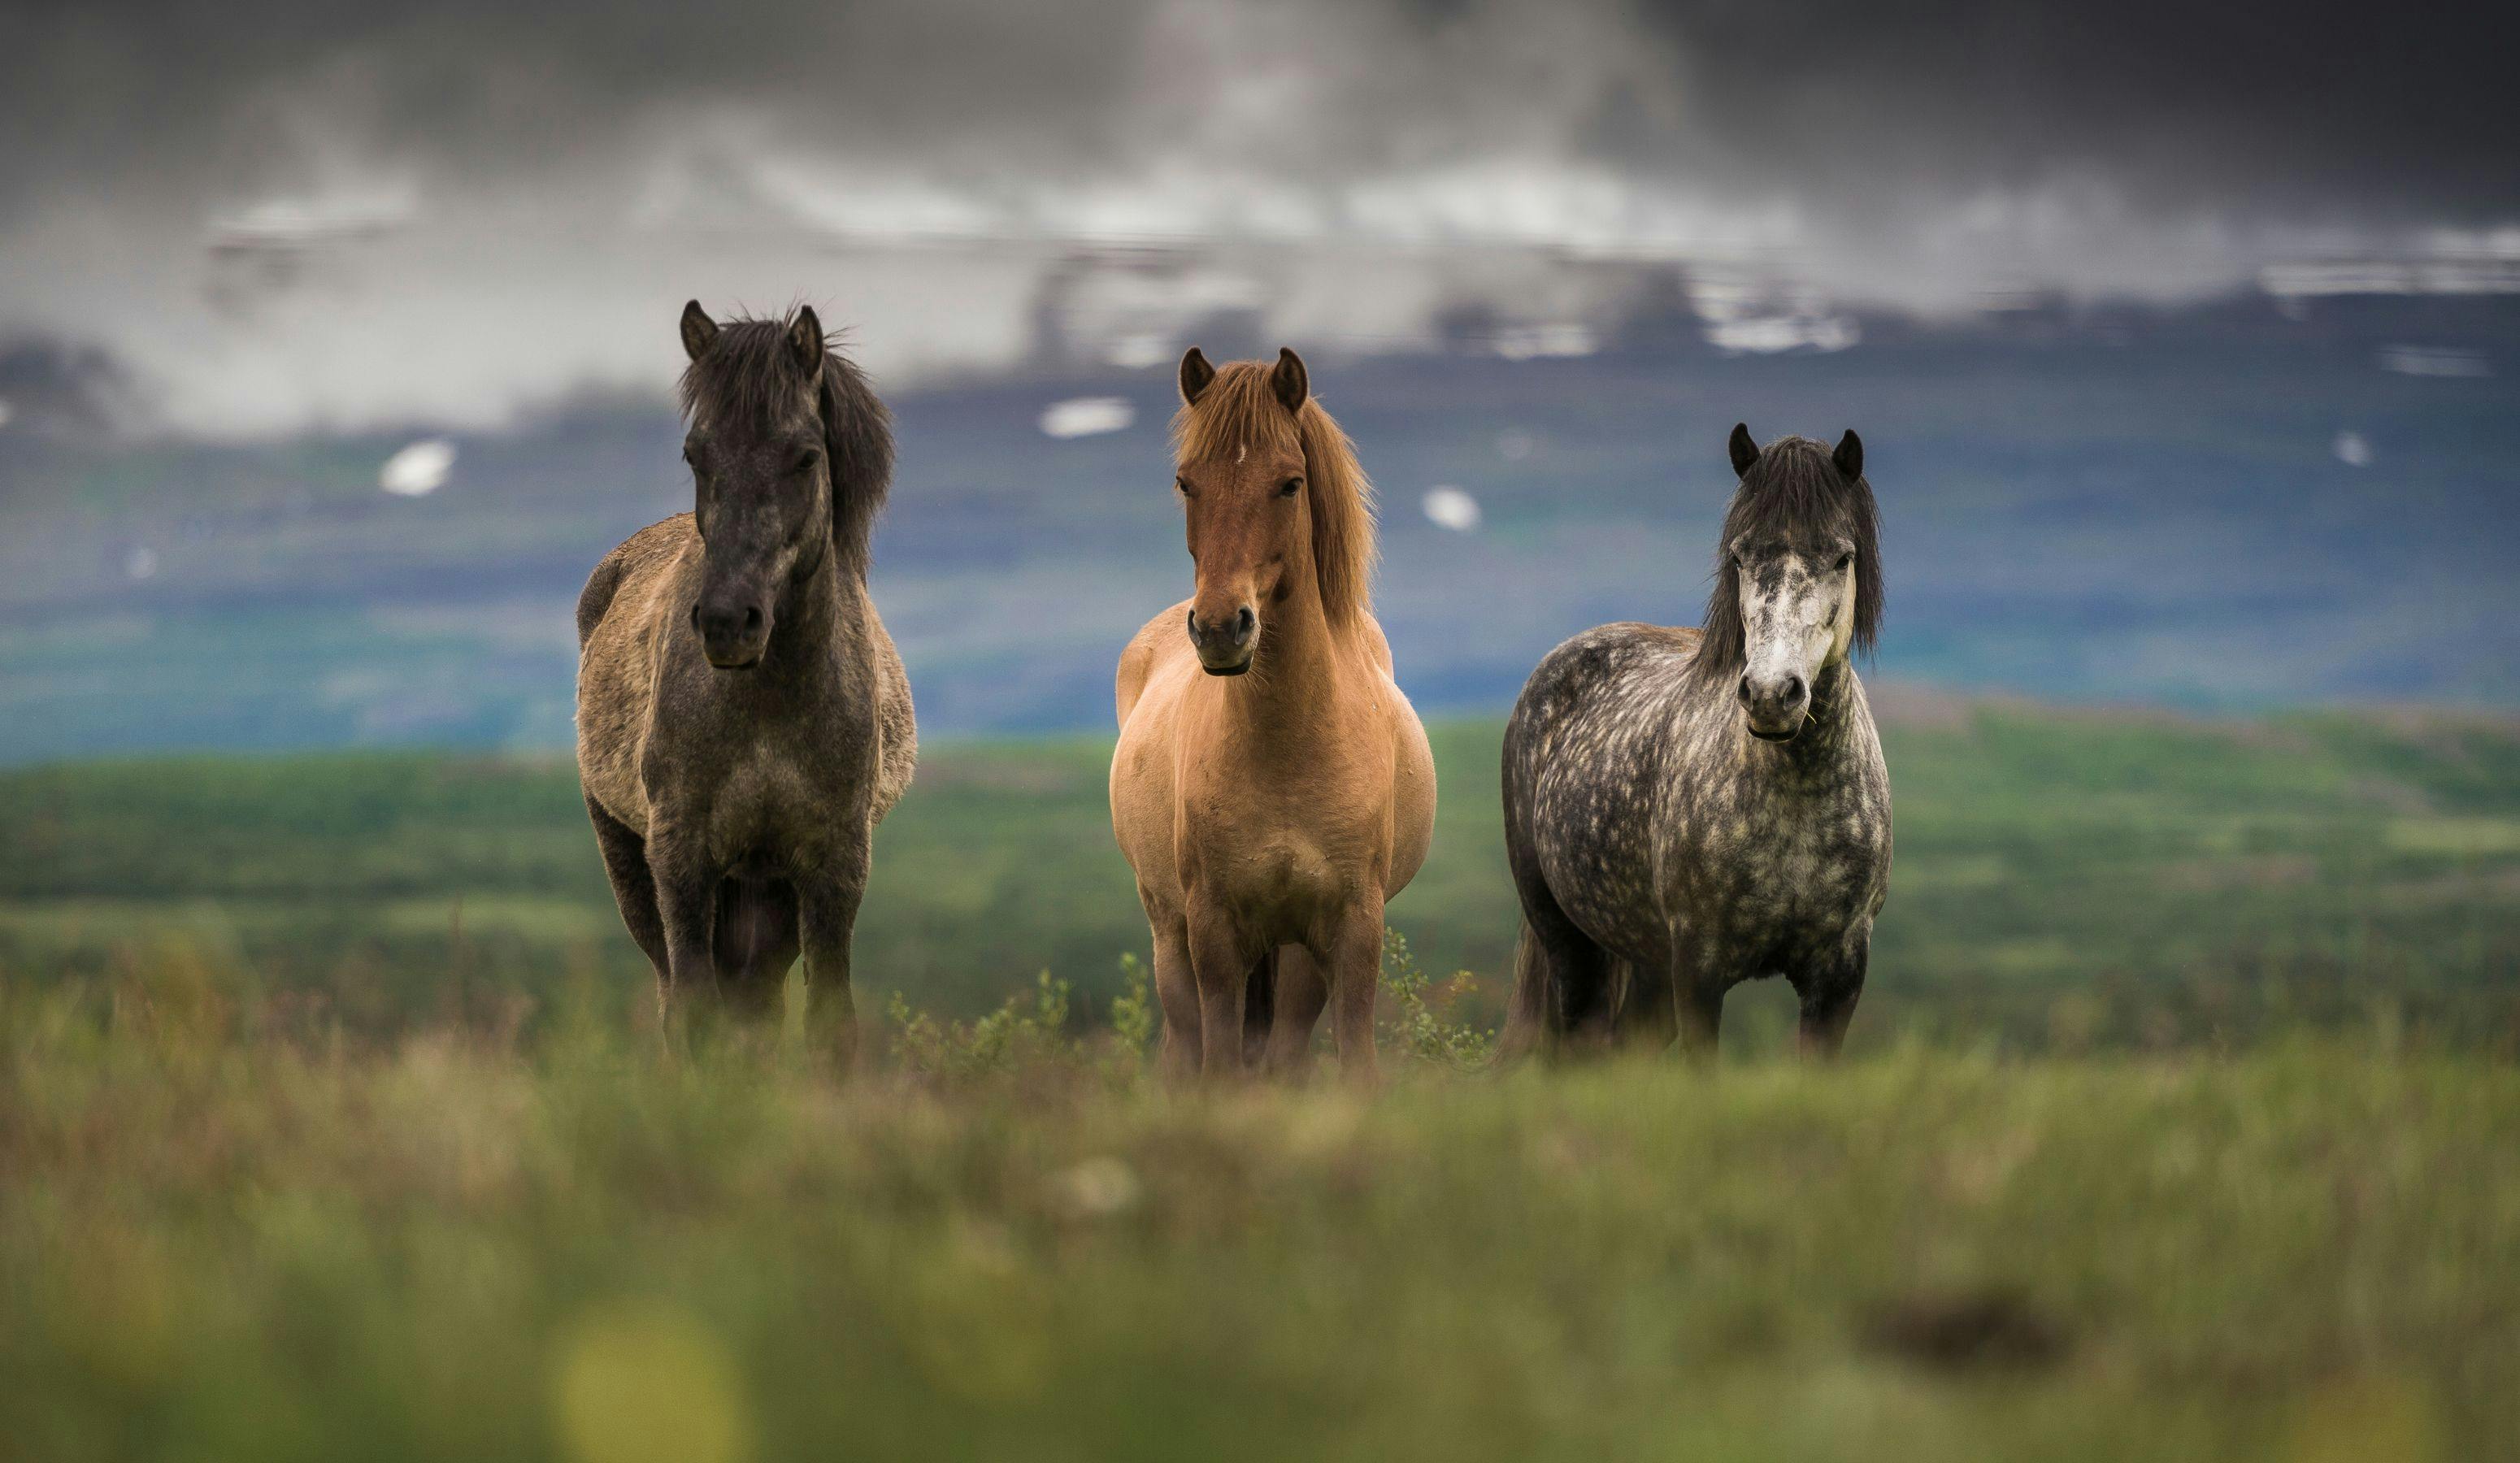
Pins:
<point x="1425" y="1029"/>
<point x="1133" y="1011"/>
<point x="1028" y="1031"/>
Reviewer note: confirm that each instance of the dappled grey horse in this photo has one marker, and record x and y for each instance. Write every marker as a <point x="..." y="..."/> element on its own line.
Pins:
<point x="742" y="719"/>
<point x="1689" y="809"/>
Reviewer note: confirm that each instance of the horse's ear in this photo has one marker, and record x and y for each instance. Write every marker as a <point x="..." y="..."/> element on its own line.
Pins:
<point x="1745" y="452"/>
<point x="1849" y="455"/>
<point x="1290" y="380"/>
<point x="805" y="342"/>
<point x="1195" y="373"/>
<point x="700" y="332"/>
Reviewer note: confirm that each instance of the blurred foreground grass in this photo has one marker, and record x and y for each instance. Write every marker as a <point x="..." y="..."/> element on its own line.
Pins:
<point x="235" y="1231"/>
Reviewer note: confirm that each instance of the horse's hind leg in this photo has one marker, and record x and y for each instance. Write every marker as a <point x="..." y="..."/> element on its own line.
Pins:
<point x="1647" y="1012"/>
<point x="1302" y="992"/>
<point x="1583" y="1006"/>
<point x="1259" y="1006"/>
<point x="755" y="942"/>
<point x="1828" y="991"/>
<point x="633" y="889"/>
<point x="1565" y="996"/>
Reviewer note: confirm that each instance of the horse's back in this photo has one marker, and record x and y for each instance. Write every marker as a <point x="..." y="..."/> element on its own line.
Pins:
<point x="1586" y="757"/>
<point x="1582" y="665"/>
<point x="896" y="720"/>
<point x="617" y="614"/>
<point x="1143" y="654"/>
<point x="1413" y="787"/>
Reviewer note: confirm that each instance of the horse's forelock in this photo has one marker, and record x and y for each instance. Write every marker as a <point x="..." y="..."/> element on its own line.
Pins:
<point x="748" y="375"/>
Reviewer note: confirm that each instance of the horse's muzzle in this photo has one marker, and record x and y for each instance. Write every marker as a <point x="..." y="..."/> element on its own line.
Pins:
<point x="732" y="637"/>
<point x="1225" y="647"/>
<point x="1775" y="709"/>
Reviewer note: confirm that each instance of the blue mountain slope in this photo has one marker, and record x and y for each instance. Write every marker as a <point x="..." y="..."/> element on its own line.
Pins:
<point x="2222" y="508"/>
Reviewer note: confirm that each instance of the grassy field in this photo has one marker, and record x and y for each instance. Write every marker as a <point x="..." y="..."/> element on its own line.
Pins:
<point x="2065" y="880"/>
<point x="229" y="1233"/>
<point x="333" y="1124"/>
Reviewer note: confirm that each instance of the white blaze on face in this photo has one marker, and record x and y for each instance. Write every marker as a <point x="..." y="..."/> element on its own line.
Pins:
<point x="1799" y="625"/>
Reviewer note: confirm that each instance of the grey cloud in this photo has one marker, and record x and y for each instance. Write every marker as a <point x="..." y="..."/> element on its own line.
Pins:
<point x="292" y="212"/>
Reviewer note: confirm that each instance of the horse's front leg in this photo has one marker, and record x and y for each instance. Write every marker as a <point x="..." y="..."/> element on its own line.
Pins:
<point x="685" y="878"/>
<point x="1223" y="974"/>
<point x="1177" y="1054"/>
<point x="1352" y="958"/>
<point x="1828" y="989"/>
<point x="826" y="920"/>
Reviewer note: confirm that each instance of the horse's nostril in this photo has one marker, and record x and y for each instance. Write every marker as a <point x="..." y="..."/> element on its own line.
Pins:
<point x="1244" y="622"/>
<point x="1743" y="689"/>
<point x="695" y="615"/>
<point x="1793" y="688"/>
<point x="751" y="618"/>
<point x="1191" y="620"/>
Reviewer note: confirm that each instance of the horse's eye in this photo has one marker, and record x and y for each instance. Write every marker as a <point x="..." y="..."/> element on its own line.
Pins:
<point x="1288" y="488"/>
<point x="1844" y="559"/>
<point x="806" y="464"/>
<point x="1181" y="485"/>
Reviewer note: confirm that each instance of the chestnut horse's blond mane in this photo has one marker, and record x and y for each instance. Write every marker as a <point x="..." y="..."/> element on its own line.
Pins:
<point x="1239" y="411"/>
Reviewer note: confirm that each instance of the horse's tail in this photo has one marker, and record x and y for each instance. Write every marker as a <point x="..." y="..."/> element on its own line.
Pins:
<point x="1526" y="1016"/>
<point x="1259" y="1010"/>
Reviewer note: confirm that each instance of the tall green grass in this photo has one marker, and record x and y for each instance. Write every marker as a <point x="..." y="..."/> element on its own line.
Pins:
<point x="237" y="1231"/>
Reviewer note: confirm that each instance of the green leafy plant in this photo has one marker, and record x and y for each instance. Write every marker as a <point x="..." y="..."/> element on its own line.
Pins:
<point x="1029" y="1030"/>
<point x="1421" y="1019"/>
<point x="1133" y="1010"/>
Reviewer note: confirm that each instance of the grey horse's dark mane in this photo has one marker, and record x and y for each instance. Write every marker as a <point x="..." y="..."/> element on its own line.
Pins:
<point x="1795" y="493"/>
<point x="749" y="376"/>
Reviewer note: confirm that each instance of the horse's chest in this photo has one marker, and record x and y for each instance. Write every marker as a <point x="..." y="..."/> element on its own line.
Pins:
<point x="763" y="799"/>
<point x="1778" y="867"/>
<point x="761" y="788"/>
<point x="1277" y="864"/>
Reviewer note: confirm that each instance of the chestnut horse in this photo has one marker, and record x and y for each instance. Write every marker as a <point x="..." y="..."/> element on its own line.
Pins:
<point x="1272" y="786"/>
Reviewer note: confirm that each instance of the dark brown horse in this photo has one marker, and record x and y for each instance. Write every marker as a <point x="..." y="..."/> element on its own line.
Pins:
<point x="742" y="718"/>
<point x="1688" y="808"/>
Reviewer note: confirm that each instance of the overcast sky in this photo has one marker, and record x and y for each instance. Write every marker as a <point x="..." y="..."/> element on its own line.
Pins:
<point x="283" y="214"/>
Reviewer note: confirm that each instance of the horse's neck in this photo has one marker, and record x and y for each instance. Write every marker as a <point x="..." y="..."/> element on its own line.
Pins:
<point x="1299" y="657"/>
<point x="1829" y="744"/>
<point x="813" y="608"/>
<point x="1831" y="734"/>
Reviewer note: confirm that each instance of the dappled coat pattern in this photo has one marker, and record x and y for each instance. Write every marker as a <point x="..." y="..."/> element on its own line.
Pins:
<point x="1664" y="844"/>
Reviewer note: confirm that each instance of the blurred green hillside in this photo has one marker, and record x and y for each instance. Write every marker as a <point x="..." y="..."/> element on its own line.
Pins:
<point x="2063" y="877"/>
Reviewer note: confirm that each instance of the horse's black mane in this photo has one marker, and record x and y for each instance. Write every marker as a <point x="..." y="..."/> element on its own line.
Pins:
<point x="1795" y="493"/>
<point x="747" y="376"/>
